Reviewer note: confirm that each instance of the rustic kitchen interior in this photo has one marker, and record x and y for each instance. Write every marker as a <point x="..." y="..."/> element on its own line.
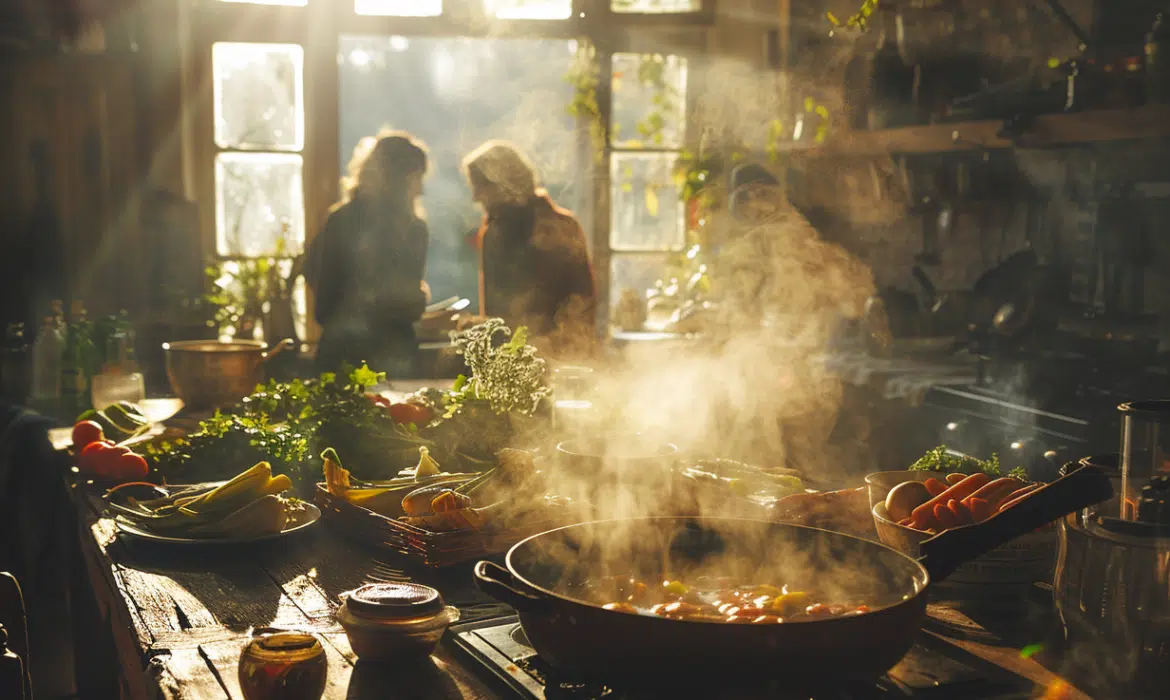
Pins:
<point x="586" y="349"/>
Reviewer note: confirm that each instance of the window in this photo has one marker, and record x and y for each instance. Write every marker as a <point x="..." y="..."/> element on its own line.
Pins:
<point x="656" y="6"/>
<point x="259" y="133"/>
<point x="290" y="3"/>
<point x="647" y="131"/>
<point x="399" y="8"/>
<point x="256" y="142"/>
<point x="529" y="9"/>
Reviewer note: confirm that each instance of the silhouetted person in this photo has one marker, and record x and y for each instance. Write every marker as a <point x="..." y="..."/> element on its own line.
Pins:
<point x="366" y="266"/>
<point x="534" y="265"/>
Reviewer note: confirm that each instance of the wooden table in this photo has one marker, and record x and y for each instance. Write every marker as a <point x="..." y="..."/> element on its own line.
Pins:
<point x="178" y="618"/>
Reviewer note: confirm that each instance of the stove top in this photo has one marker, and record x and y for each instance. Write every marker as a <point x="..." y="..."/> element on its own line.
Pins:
<point x="499" y="648"/>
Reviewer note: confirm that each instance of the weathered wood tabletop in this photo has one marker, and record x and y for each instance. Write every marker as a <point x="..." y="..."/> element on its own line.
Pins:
<point x="183" y="615"/>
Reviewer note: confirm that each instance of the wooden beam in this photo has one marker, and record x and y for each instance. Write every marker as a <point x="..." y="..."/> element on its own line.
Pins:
<point x="1046" y="131"/>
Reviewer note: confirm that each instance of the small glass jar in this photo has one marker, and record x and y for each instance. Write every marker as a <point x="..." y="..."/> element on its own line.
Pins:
<point x="388" y="620"/>
<point x="283" y="665"/>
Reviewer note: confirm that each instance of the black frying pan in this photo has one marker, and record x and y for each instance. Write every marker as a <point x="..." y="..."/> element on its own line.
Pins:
<point x="545" y="574"/>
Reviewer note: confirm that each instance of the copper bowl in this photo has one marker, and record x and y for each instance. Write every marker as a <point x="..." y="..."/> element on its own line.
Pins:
<point x="209" y="374"/>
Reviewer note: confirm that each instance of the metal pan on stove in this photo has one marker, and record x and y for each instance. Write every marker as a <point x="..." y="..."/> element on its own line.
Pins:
<point x="546" y="574"/>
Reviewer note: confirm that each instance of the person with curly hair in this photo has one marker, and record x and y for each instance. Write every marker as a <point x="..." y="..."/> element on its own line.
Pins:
<point x="534" y="267"/>
<point x="366" y="266"/>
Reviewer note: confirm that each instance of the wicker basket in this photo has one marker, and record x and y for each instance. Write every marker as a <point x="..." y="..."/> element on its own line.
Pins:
<point x="431" y="548"/>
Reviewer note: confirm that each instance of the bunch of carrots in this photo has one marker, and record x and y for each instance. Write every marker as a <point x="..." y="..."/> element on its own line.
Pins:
<point x="964" y="500"/>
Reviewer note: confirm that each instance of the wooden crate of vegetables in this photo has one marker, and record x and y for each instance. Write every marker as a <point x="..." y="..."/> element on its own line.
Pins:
<point x="947" y="491"/>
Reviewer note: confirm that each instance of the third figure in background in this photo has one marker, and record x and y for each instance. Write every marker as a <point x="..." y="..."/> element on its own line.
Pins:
<point x="534" y="265"/>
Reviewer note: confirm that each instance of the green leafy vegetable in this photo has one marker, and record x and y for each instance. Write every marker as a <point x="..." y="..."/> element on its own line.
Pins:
<point x="289" y="424"/>
<point x="941" y="460"/>
<point x="509" y="377"/>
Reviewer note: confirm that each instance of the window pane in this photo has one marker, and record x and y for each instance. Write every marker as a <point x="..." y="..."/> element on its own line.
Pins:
<point x="259" y="205"/>
<point x="634" y="275"/>
<point x="297" y="3"/>
<point x="649" y="100"/>
<point x="259" y="95"/>
<point x="656" y="6"/>
<point x="529" y="9"/>
<point x="399" y="8"/>
<point x="646" y="213"/>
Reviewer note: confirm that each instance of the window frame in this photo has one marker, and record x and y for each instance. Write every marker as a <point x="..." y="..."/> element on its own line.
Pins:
<point x="318" y="27"/>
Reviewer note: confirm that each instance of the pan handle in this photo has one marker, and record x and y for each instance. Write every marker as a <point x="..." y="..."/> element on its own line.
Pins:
<point x="500" y="584"/>
<point x="945" y="552"/>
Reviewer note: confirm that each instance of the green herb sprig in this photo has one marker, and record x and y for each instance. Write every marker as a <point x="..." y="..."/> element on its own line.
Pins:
<point x="510" y="377"/>
<point x="941" y="460"/>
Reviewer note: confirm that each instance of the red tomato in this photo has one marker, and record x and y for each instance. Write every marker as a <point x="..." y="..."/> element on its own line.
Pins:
<point x="407" y="413"/>
<point x="132" y="467"/>
<point x="86" y="432"/>
<point x="107" y="463"/>
<point x="88" y="458"/>
<point x="379" y="400"/>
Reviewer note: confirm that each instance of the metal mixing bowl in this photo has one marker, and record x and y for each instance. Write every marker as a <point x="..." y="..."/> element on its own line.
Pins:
<point x="209" y="374"/>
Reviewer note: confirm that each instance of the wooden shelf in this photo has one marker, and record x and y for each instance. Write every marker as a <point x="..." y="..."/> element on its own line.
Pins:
<point x="1045" y="131"/>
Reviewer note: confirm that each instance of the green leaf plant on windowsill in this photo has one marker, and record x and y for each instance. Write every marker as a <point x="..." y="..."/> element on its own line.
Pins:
<point x="251" y="298"/>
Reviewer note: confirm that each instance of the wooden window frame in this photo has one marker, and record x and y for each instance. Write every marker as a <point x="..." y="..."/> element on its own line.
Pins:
<point x="319" y="26"/>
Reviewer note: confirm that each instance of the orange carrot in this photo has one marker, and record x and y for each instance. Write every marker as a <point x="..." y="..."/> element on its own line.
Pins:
<point x="958" y="492"/>
<point x="962" y="515"/>
<point x="1019" y="495"/>
<point x="955" y="478"/>
<point x="905" y="521"/>
<point x="995" y="491"/>
<point x="944" y="516"/>
<point x="980" y="508"/>
<point x="934" y="486"/>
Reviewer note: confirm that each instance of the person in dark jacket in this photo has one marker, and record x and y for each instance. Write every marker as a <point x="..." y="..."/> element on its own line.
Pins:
<point x="366" y="267"/>
<point x="534" y="267"/>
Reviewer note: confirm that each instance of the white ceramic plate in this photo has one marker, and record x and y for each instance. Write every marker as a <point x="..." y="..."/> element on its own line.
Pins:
<point x="299" y="520"/>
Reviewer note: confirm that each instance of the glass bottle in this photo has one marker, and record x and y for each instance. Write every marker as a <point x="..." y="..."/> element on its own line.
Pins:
<point x="75" y="361"/>
<point x="283" y="665"/>
<point x="15" y="379"/>
<point x="47" y="351"/>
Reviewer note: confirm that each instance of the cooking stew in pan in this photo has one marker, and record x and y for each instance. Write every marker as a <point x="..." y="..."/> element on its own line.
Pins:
<point x="715" y="600"/>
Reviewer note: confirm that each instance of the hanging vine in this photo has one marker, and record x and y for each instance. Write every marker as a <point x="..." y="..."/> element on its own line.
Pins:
<point x="858" y="21"/>
<point x="585" y="76"/>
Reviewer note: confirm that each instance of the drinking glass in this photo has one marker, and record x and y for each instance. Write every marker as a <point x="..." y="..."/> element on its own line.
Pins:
<point x="107" y="389"/>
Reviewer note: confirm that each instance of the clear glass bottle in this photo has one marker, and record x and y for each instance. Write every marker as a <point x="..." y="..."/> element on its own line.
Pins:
<point x="15" y="366"/>
<point x="47" y="351"/>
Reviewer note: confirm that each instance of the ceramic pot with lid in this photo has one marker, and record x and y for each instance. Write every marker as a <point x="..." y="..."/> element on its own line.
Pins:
<point x="389" y="620"/>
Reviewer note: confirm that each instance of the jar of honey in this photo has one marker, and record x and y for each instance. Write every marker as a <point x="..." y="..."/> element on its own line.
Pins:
<point x="283" y="665"/>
